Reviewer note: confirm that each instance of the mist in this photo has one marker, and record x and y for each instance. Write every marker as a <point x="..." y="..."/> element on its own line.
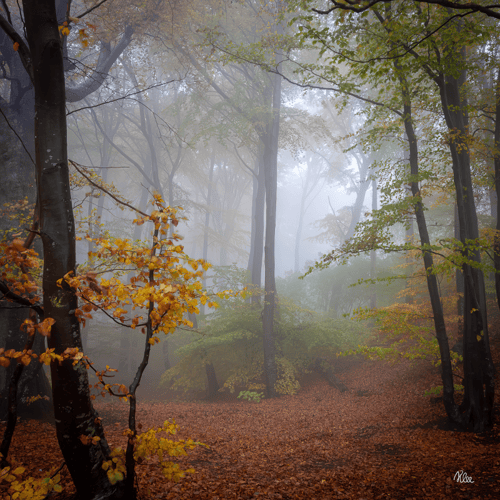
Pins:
<point x="247" y="202"/>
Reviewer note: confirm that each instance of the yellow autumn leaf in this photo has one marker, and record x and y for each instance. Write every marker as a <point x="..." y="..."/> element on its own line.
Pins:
<point x="44" y="358"/>
<point x="119" y="312"/>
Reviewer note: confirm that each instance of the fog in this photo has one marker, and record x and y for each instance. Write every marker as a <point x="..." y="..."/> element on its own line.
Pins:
<point x="231" y="186"/>
<point x="288" y="165"/>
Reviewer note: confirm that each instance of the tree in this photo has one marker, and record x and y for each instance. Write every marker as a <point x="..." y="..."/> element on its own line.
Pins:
<point x="17" y="109"/>
<point x="360" y="7"/>
<point x="447" y="70"/>
<point x="265" y="122"/>
<point x="79" y="432"/>
<point x="43" y="61"/>
<point x="164" y="290"/>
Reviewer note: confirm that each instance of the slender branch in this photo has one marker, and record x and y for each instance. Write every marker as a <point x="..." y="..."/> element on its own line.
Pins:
<point x="22" y="48"/>
<point x="17" y="135"/>
<point x="275" y="71"/>
<point x="7" y="11"/>
<point x="356" y="6"/>
<point x="88" y="11"/>
<point x="250" y="169"/>
<point x="86" y="299"/>
<point x="127" y="96"/>
<point x="14" y="297"/>
<point x="408" y="49"/>
<point x="332" y="89"/>
<point x="121" y="202"/>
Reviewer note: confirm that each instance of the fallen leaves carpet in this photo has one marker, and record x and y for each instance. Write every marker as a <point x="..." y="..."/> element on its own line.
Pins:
<point x="381" y="439"/>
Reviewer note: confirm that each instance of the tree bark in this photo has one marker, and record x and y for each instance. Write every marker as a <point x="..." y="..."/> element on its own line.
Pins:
<point x="479" y="381"/>
<point x="459" y="281"/>
<point x="364" y="183"/>
<point x="432" y="284"/>
<point x="212" y="384"/>
<point x="258" y="211"/>
<point x="271" y="181"/>
<point x="496" y="149"/>
<point x="300" y="224"/>
<point x="73" y="409"/>
<point x="373" y="253"/>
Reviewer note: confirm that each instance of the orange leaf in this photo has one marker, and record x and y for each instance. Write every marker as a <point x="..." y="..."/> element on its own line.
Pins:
<point x="25" y="360"/>
<point x="16" y="46"/>
<point x="85" y="439"/>
<point x="45" y="326"/>
<point x="28" y="326"/>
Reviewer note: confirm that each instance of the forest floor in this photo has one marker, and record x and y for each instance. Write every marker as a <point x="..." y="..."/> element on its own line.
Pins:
<point x="381" y="439"/>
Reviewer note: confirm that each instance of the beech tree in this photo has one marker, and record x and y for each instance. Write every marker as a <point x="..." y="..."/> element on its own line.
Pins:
<point x="17" y="170"/>
<point x="445" y="66"/>
<point x="265" y="123"/>
<point x="42" y="58"/>
<point x="97" y="472"/>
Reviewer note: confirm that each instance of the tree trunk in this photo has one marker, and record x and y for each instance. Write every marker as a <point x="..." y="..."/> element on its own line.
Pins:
<point x="432" y="284"/>
<point x="33" y="381"/>
<point x="298" y="234"/>
<point x="479" y="381"/>
<point x="258" y="211"/>
<point x="271" y="180"/>
<point x="73" y="410"/>
<point x="409" y="231"/>
<point x="212" y="384"/>
<point x="364" y="183"/>
<point x="373" y="253"/>
<point x="459" y="282"/>
<point x="496" y="150"/>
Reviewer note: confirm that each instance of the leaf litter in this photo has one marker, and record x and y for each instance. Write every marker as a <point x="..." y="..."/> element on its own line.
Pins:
<point x="381" y="439"/>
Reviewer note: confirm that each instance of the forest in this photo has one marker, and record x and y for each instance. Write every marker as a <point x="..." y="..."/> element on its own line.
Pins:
<point x="249" y="249"/>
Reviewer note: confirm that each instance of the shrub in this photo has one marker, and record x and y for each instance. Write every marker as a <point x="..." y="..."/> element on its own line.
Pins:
<point x="251" y="396"/>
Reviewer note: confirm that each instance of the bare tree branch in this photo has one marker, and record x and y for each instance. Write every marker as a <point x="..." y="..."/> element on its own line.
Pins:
<point x="17" y="135"/>
<point x="107" y="57"/>
<point x="88" y="11"/>
<point x="361" y="6"/>
<point x="14" y="297"/>
<point x="22" y="49"/>
<point x="121" y="202"/>
<point x="126" y="96"/>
